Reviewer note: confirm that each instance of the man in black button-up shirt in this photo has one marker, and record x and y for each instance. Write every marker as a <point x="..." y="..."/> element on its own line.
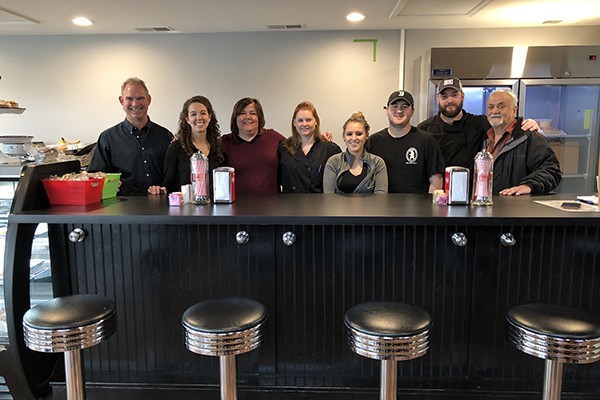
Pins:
<point x="135" y="147"/>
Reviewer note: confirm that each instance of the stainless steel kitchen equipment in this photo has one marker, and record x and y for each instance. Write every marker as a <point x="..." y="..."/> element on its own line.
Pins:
<point x="14" y="145"/>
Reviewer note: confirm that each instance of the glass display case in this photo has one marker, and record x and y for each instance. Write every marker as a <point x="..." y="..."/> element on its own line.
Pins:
<point x="40" y="279"/>
<point x="567" y="111"/>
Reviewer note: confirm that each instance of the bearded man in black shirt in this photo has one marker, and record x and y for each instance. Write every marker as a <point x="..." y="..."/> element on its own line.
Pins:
<point x="460" y="134"/>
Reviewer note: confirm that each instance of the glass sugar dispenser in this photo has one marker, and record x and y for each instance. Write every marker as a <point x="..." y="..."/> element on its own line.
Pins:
<point x="199" y="178"/>
<point x="483" y="177"/>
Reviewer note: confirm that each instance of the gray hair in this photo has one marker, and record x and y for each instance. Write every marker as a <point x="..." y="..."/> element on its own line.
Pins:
<point x="514" y="100"/>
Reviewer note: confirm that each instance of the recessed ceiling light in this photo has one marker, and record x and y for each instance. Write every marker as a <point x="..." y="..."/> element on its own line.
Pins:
<point x="355" y="17"/>
<point x="82" y="21"/>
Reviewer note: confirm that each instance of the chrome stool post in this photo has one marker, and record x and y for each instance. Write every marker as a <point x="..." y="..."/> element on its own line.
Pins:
<point x="68" y="325"/>
<point x="224" y="328"/>
<point x="389" y="332"/>
<point x="557" y="334"/>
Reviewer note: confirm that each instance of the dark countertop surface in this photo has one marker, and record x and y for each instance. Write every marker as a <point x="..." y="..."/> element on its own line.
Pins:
<point x="309" y="209"/>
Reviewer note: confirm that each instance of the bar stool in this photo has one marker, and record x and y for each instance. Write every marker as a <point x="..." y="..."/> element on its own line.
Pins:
<point x="68" y="325"/>
<point x="556" y="333"/>
<point x="224" y="328"/>
<point x="389" y="332"/>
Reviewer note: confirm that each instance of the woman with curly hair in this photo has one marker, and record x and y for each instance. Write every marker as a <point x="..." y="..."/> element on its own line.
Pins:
<point x="198" y="131"/>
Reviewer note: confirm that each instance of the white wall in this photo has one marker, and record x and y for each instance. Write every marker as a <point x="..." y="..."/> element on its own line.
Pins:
<point x="70" y="84"/>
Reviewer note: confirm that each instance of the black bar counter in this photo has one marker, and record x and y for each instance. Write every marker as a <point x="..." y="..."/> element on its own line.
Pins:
<point x="154" y="261"/>
<point x="314" y="209"/>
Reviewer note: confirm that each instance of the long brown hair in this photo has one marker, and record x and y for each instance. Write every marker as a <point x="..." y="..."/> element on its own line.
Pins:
<point x="213" y="132"/>
<point x="294" y="141"/>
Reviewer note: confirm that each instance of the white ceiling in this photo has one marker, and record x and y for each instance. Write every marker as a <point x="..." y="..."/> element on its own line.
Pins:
<point x="39" y="17"/>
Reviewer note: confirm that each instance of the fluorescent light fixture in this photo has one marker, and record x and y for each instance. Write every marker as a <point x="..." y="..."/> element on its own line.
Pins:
<point x="82" y="21"/>
<point x="355" y="17"/>
<point x="519" y="57"/>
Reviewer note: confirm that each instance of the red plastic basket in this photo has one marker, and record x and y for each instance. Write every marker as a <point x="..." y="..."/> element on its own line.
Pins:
<point x="63" y="192"/>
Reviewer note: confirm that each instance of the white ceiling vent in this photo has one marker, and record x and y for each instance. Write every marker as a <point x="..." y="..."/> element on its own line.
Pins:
<point x="433" y="8"/>
<point x="285" y="27"/>
<point x="155" y="29"/>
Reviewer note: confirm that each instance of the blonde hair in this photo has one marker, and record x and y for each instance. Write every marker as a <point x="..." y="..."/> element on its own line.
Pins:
<point x="358" y="117"/>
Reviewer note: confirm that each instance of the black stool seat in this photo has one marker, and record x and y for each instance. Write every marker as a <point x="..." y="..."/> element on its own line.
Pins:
<point x="224" y="328"/>
<point x="390" y="332"/>
<point x="385" y="318"/>
<point x="69" y="323"/>
<point x="385" y="330"/>
<point x="552" y="331"/>
<point x="557" y="334"/>
<point x="555" y="320"/>
<point x="224" y="315"/>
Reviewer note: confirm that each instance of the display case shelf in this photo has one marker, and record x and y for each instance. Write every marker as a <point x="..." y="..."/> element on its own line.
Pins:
<point x="12" y="110"/>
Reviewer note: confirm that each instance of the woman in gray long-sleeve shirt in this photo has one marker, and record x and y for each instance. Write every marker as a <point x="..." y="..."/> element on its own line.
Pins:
<point x="355" y="170"/>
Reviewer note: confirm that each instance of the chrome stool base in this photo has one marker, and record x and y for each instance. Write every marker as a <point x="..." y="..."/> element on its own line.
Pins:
<point x="389" y="332"/>
<point x="68" y="325"/>
<point x="224" y="328"/>
<point x="557" y="334"/>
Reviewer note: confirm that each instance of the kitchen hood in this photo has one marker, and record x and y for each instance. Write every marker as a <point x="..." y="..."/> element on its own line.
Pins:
<point x="516" y="62"/>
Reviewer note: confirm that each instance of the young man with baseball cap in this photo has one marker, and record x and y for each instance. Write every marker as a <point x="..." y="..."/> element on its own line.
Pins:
<point x="459" y="133"/>
<point x="413" y="158"/>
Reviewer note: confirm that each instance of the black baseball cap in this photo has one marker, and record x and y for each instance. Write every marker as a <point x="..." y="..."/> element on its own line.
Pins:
<point x="453" y="83"/>
<point x="401" y="95"/>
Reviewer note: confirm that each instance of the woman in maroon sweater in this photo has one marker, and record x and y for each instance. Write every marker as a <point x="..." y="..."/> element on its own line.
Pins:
<point x="252" y="150"/>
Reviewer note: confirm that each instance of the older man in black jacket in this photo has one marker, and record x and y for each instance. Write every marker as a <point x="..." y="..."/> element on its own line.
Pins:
<point x="459" y="133"/>
<point x="523" y="161"/>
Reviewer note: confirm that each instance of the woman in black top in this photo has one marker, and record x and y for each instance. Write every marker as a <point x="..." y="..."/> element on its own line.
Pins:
<point x="198" y="131"/>
<point x="302" y="157"/>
